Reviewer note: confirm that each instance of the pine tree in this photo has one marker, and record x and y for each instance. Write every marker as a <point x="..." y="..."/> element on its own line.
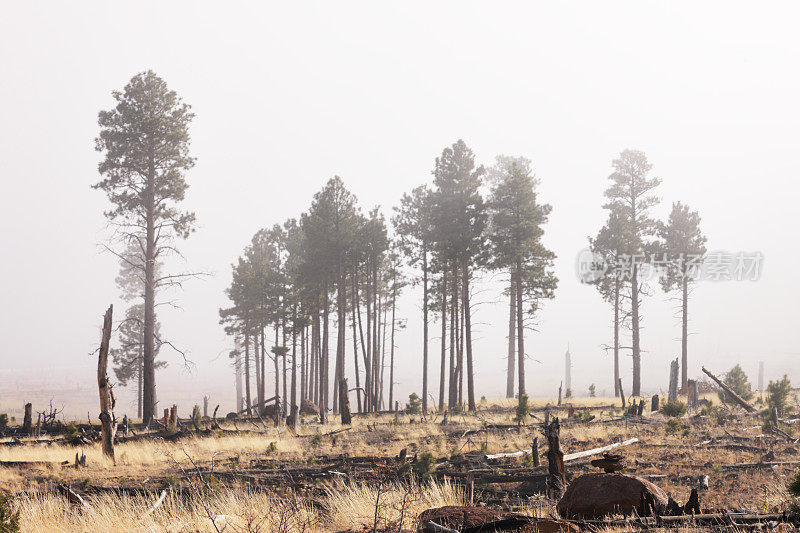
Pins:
<point x="515" y="235"/>
<point x="683" y="246"/>
<point x="145" y="142"/>
<point x="630" y="197"/>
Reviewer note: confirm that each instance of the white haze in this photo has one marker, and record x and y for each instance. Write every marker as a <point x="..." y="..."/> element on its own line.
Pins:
<point x="287" y="96"/>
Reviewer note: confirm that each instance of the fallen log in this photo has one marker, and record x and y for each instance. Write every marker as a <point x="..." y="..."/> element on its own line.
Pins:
<point x="569" y="456"/>
<point x="738" y="399"/>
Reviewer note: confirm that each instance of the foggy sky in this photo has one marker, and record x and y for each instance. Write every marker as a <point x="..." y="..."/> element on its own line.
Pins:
<point x="288" y="96"/>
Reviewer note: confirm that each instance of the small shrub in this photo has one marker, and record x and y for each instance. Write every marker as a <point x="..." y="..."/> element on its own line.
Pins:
<point x="316" y="440"/>
<point x="414" y="405"/>
<point x="674" y="409"/>
<point x="3" y="421"/>
<point x="794" y="486"/>
<point x="271" y="448"/>
<point x="778" y="394"/>
<point x="424" y="464"/>
<point x="736" y="379"/>
<point x="592" y="390"/>
<point x="9" y="517"/>
<point x="672" y="426"/>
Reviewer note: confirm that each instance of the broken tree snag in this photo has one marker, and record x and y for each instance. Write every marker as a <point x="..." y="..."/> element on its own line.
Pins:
<point x="692" y="397"/>
<point x="107" y="421"/>
<point x="654" y="404"/>
<point x="344" y="402"/>
<point x="27" y="423"/>
<point x="535" y="451"/>
<point x="555" y="460"/>
<point x="738" y="399"/>
<point x="673" y="382"/>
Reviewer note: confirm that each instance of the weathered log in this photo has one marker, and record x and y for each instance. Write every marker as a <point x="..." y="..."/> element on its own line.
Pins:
<point x="108" y="424"/>
<point x="738" y="399"/>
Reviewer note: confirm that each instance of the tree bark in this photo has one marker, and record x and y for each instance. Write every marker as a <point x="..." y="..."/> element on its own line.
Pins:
<point x="107" y="421"/>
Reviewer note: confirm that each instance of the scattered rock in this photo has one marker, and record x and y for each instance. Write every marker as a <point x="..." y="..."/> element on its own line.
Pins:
<point x="598" y="495"/>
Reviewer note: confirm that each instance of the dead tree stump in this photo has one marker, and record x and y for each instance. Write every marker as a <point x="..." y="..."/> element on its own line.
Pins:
<point x="691" y="394"/>
<point x="205" y="406"/>
<point x="654" y="404"/>
<point x="556" y="481"/>
<point x="108" y="424"/>
<point x="344" y="403"/>
<point x="535" y="451"/>
<point x="673" y="381"/>
<point x="27" y="423"/>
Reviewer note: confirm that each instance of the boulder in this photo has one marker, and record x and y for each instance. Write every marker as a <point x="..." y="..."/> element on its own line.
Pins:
<point x="598" y="495"/>
<point x="307" y="408"/>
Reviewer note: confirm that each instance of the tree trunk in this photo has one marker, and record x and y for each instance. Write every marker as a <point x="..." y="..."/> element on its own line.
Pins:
<point x="391" y="347"/>
<point x="520" y="330"/>
<point x="247" y="396"/>
<point x="453" y="389"/>
<point x="303" y="363"/>
<point x="443" y="365"/>
<point x="140" y="372"/>
<point x="512" y="315"/>
<point x="259" y="384"/>
<point x="636" y="389"/>
<point x="617" y="391"/>
<point x="278" y="398"/>
<point x="355" y="343"/>
<point x="107" y="420"/>
<point x="468" y="330"/>
<point x="685" y="332"/>
<point x="149" y="381"/>
<point x="324" y="356"/>
<point x="344" y="402"/>
<point x="294" y="411"/>
<point x="424" y="330"/>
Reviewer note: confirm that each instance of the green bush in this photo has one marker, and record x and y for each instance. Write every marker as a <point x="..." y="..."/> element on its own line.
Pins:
<point x="737" y="380"/>
<point x="3" y="421"/>
<point x="794" y="486"/>
<point x="414" y="405"/>
<point x="424" y="464"/>
<point x="674" y="409"/>
<point x="672" y="426"/>
<point x="778" y="394"/>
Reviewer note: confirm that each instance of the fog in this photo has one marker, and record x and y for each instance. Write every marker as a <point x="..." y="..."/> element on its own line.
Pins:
<point x="288" y="96"/>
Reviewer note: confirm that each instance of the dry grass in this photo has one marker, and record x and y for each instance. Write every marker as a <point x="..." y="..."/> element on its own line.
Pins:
<point x="238" y="510"/>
